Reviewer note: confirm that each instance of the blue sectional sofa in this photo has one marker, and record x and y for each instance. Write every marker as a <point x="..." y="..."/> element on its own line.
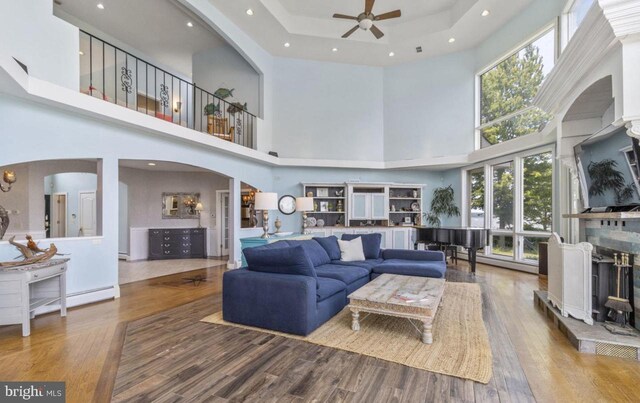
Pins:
<point x="295" y="286"/>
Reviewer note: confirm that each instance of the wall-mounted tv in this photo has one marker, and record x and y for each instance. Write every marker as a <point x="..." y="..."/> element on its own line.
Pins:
<point x="608" y="169"/>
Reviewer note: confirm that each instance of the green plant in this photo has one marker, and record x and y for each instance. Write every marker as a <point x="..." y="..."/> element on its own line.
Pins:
<point x="443" y="203"/>
<point x="605" y="177"/>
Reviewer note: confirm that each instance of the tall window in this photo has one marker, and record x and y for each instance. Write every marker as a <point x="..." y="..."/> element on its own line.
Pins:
<point x="576" y="14"/>
<point x="507" y="91"/>
<point x="476" y="193"/>
<point x="518" y="201"/>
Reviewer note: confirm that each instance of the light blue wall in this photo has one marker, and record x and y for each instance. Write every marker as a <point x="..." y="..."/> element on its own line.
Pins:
<point x="608" y="148"/>
<point x="429" y="107"/>
<point x="289" y="181"/>
<point x="224" y="67"/>
<point x="327" y="110"/>
<point x="71" y="136"/>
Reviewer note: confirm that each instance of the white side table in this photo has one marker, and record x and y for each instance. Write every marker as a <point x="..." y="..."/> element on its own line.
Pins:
<point x="24" y="289"/>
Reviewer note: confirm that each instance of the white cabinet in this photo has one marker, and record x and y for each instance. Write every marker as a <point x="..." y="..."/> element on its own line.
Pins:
<point x="360" y="206"/>
<point x="570" y="278"/>
<point x="369" y="206"/>
<point x="338" y="232"/>
<point x="379" y="206"/>
<point x="401" y="238"/>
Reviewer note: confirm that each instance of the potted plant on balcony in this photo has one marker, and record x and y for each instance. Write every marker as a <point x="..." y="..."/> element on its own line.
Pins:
<point x="443" y="203"/>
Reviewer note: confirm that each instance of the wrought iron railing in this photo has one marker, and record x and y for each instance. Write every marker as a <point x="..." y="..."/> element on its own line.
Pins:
<point x="116" y="76"/>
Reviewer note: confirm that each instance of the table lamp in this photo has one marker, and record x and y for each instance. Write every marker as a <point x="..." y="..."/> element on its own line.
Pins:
<point x="304" y="204"/>
<point x="199" y="208"/>
<point x="266" y="201"/>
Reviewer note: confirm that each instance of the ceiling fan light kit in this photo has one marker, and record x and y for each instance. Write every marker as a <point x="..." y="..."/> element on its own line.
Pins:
<point x="367" y="18"/>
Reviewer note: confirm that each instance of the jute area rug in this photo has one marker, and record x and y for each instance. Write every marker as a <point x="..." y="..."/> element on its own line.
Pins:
<point x="460" y="342"/>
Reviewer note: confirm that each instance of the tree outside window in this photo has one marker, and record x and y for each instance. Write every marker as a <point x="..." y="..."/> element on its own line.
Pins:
<point x="508" y="90"/>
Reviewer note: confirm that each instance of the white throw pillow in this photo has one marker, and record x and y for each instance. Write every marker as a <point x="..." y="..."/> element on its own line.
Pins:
<point x="351" y="251"/>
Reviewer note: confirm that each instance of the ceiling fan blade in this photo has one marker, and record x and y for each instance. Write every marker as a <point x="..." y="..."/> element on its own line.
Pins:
<point x="346" y="17"/>
<point x="387" y="16"/>
<point x="349" y="32"/>
<point x="368" y="6"/>
<point x="376" y="32"/>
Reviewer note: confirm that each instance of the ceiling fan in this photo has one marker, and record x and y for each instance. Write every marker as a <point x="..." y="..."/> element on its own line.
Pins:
<point x="366" y="19"/>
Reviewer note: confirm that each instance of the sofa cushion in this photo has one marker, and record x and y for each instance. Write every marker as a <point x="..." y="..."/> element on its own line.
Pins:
<point x="316" y="253"/>
<point x="421" y="255"/>
<point x="289" y="260"/>
<point x="351" y="251"/>
<point x="412" y="268"/>
<point x="273" y="245"/>
<point x="330" y="245"/>
<point x="346" y="274"/>
<point x="328" y="287"/>
<point x="365" y="264"/>
<point x="370" y="243"/>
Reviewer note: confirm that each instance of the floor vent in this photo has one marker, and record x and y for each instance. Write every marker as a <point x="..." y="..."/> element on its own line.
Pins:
<point x="614" y="350"/>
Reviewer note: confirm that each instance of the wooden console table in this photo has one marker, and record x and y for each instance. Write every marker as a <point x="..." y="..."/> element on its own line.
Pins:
<point x="23" y="289"/>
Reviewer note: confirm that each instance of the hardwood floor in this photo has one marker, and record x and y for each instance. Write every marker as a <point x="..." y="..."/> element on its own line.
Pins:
<point x="83" y="350"/>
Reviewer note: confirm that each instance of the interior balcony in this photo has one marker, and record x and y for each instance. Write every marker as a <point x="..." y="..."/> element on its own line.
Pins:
<point x="179" y="71"/>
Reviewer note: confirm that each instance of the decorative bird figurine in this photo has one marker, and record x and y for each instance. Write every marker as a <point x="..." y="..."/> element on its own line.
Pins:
<point x="33" y="246"/>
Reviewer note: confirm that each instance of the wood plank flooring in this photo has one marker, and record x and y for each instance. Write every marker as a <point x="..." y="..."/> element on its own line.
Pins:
<point x="82" y="349"/>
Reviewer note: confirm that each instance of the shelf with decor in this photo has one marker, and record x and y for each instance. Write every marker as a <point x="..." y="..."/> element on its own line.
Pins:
<point x="405" y="205"/>
<point x="330" y="204"/>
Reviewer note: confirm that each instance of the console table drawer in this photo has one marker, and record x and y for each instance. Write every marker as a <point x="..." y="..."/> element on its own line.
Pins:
<point x="176" y="243"/>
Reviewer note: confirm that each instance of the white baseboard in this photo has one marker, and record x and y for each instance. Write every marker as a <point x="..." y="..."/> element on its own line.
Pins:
<point x="83" y="299"/>
<point x="234" y="265"/>
<point x="506" y="264"/>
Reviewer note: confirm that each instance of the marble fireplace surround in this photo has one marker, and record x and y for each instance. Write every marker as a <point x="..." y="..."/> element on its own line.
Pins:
<point x="618" y="232"/>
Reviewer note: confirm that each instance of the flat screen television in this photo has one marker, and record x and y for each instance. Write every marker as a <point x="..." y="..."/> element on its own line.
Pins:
<point x="608" y="170"/>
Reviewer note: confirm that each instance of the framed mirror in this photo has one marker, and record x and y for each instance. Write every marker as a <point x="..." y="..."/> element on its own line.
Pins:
<point x="287" y="204"/>
<point x="179" y="205"/>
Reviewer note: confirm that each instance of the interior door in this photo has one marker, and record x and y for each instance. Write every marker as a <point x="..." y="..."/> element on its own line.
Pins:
<point x="223" y="227"/>
<point x="87" y="212"/>
<point x="59" y="215"/>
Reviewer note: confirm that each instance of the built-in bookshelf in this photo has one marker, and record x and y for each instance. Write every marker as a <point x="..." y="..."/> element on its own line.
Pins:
<point x="405" y="205"/>
<point x="329" y="201"/>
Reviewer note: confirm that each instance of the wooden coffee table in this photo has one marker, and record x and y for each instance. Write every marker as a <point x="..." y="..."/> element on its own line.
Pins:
<point x="400" y="296"/>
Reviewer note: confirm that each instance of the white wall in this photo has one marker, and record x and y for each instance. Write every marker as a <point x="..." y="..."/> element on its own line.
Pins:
<point x="145" y="188"/>
<point x="223" y="67"/>
<point x="71" y="184"/>
<point x="43" y="42"/>
<point x="327" y="110"/>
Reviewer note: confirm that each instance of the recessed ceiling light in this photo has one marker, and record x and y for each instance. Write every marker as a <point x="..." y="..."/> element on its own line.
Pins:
<point x="100" y="6"/>
<point x="451" y="40"/>
<point x="287" y="44"/>
<point x="81" y="53"/>
<point x="190" y="24"/>
<point x="152" y="164"/>
<point x="391" y="54"/>
<point x="485" y="13"/>
<point x="249" y="11"/>
<point x="334" y="49"/>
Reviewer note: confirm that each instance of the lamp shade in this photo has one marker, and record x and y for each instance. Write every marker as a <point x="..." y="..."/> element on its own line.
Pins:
<point x="266" y="201"/>
<point x="199" y="207"/>
<point x="304" y="203"/>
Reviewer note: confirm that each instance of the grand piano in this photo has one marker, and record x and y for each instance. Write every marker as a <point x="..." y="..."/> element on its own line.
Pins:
<point x="471" y="239"/>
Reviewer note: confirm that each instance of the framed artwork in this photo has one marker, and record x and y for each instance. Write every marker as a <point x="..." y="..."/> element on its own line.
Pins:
<point x="407" y="220"/>
<point x="323" y="192"/>
<point x="324" y="206"/>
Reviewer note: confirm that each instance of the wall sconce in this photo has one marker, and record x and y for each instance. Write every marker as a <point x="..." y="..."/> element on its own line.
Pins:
<point x="177" y="107"/>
